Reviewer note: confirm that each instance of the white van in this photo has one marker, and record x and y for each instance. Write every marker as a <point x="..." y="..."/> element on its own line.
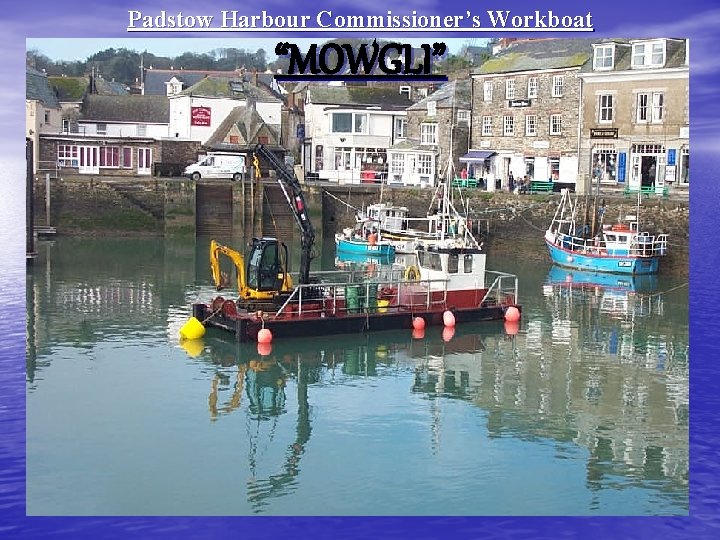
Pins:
<point x="216" y="165"/>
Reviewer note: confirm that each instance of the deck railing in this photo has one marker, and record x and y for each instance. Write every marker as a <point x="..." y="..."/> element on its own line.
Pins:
<point x="643" y="245"/>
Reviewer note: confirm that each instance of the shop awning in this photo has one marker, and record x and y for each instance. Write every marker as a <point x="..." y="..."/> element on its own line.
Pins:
<point x="475" y="156"/>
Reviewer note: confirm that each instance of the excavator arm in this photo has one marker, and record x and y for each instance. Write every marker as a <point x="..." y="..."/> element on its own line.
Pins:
<point x="220" y="279"/>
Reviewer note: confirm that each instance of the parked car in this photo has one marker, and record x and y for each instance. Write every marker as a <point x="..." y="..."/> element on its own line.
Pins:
<point x="215" y="165"/>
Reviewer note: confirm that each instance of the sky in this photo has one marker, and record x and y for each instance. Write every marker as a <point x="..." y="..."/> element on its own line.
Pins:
<point x="71" y="49"/>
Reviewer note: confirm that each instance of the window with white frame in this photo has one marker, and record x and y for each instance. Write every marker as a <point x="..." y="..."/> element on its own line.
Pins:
<point x="487" y="126"/>
<point x="554" y="169"/>
<point x="510" y="89"/>
<point x="650" y="107"/>
<point x="603" y="57"/>
<point x="463" y="117"/>
<point x="424" y="164"/>
<point x="66" y="125"/>
<point x="422" y="92"/>
<point x="428" y="133"/>
<point x="397" y="163"/>
<point x="110" y="157"/>
<point x="342" y="158"/>
<point x="68" y="155"/>
<point x="648" y="54"/>
<point x="532" y="87"/>
<point x="508" y="126"/>
<point x="432" y="108"/>
<point x="406" y="90"/>
<point x="400" y="128"/>
<point x="557" y="87"/>
<point x="487" y="91"/>
<point x="141" y="130"/>
<point x="555" y="124"/>
<point x="101" y="129"/>
<point x="604" y="163"/>
<point x="605" y="108"/>
<point x="348" y="123"/>
<point x="531" y="125"/>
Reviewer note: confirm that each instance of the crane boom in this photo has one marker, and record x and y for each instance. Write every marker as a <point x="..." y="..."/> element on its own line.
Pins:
<point x="296" y="201"/>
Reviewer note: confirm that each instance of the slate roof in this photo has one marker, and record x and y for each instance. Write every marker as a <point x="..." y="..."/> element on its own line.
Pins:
<point x="37" y="87"/>
<point x="155" y="79"/>
<point x="144" y="109"/>
<point x="385" y="98"/>
<point x="230" y="87"/>
<point x="110" y="88"/>
<point x="674" y="53"/>
<point x="453" y="94"/>
<point x="538" y="54"/>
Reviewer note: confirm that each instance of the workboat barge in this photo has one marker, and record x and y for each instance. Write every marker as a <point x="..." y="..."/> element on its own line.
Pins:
<point x="445" y="286"/>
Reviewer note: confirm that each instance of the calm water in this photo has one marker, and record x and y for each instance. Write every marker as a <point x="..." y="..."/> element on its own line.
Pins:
<point x="583" y="412"/>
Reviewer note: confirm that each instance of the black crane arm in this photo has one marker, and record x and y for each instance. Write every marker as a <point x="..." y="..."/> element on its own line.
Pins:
<point x="298" y="207"/>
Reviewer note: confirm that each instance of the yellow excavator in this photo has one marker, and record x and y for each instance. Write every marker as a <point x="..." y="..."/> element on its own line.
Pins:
<point x="263" y="277"/>
<point x="263" y="274"/>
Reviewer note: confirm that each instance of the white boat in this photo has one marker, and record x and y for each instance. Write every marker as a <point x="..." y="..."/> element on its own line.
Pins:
<point x="443" y="226"/>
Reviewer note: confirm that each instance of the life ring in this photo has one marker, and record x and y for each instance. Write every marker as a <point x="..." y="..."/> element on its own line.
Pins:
<point x="412" y="273"/>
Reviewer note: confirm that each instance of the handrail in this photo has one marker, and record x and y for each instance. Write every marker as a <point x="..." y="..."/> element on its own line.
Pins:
<point x="642" y="245"/>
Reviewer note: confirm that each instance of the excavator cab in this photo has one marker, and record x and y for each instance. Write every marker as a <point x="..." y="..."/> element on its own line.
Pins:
<point x="267" y="265"/>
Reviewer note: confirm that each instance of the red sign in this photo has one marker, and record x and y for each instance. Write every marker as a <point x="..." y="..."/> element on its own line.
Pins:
<point x="199" y="116"/>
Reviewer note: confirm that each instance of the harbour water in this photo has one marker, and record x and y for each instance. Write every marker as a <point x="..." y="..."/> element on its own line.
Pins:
<point x="581" y="411"/>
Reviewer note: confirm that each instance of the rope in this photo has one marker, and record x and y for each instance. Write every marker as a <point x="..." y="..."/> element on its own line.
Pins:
<point x="206" y="319"/>
<point x="272" y="214"/>
<point x="668" y="290"/>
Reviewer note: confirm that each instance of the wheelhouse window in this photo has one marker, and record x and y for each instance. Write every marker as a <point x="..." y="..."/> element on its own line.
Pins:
<point x="467" y="263"/>
<point x="453" y="263"/>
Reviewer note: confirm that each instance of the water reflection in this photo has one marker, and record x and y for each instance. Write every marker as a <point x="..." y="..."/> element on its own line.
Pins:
<point x="594" y="377"/>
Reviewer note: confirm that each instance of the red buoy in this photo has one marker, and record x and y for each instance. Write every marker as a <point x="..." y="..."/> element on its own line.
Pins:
<point x="264" y="336"/>
<point x="449" y="319"/>
<point x="418" y="333"/>
<point x="418" y="323"/>
<point x="512" y="328"/>
<point x="264" y="349"/>
<point x="512" y="314"/>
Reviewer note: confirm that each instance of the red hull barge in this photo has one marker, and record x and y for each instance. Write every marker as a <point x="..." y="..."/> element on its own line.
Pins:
<point x="444" y="280"/>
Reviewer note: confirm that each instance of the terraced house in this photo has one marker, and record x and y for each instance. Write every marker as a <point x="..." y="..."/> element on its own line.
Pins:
<point x="525" y="117"/>
<point x="635" y="115"/>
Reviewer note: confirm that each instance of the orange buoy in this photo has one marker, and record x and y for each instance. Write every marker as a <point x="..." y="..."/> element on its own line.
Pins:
<point x="448" y="333"/>
<point x="512" y="314"/>
<point x="264" y="336"/>
<point x="418" y="323"/>
<point x="512" y="328"/>
<point x="449" y="319"/>
<point x="264" y="349"/>
<point x="418" y="333"/>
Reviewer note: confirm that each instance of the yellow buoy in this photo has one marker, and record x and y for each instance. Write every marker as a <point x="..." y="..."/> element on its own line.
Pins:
<point x="193" y="329"/>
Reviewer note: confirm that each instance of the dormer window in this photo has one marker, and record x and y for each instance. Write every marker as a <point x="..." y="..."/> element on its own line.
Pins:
<point x="648" y="54"/>
<point x="173" y="86"/>
<point x="405" y="90"/>
<point x="603" y="58"/>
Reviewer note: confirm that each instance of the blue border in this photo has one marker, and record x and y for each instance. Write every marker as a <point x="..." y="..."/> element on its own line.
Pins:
<point x="51" y="18"/>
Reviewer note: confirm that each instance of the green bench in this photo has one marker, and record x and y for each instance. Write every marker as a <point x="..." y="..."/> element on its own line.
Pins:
<point x="647" y="191"/>
<point x="465" y="182"/>
<point x="537" y="186"/>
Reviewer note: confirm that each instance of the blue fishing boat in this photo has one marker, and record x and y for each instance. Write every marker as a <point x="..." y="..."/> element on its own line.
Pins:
<point x="590" y="244"/>
<point x="364" y="239"/>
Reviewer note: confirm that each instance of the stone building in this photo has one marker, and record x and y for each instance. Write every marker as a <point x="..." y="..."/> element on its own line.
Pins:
<point x="635" y="118"/>
<point x="437" y="134"/>
<point x="525" y="113"/>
